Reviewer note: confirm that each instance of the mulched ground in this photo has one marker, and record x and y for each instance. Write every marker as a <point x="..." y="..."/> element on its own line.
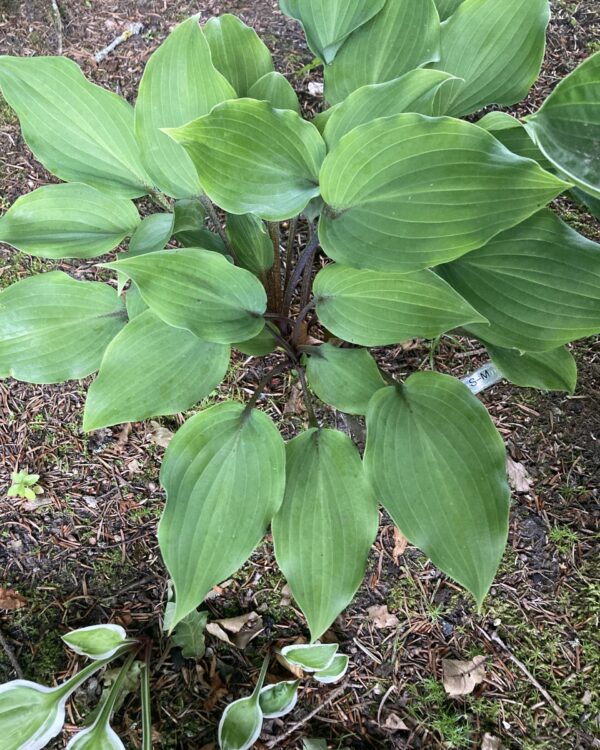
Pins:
<point x="87" y="553"/>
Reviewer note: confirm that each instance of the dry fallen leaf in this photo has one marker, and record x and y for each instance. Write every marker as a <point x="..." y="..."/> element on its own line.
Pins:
<point x="382" y="617"/>
<point x="296" y="671"/>
<point x="491" y="743"/>
<point x="159" y="435"/>
<point x="395" y="724"/>
<point x="286" y="596"/>
<point x="236" y="631"/>
<point x="518" y="477"/>
<point x="295" y="404"/>
<point x="400" y="545"/>
<point x="10" y="599"/>
<point x="461" y="677"/>
<point x="124" y="435"/>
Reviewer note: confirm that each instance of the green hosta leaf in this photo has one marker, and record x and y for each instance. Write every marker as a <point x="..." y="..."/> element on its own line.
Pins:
<point x="325" y="526"/>
<point x="190" y="229"/>
<point x="251" y="242"/>
<point x="373" y="308"/>
<point x="555" y="370"/>
<point x="447" y="7"/>
<point x="134" y="302"/>
<point x="30" y="715"/>
<point x="179" y="84"/>
<point x="97" y="737"/>
<point x="254" y="159"/>
<point x="279" y="699"/>
<point x="277" y="90"/>
<point x="402" y="36"/>
<point x="538" y="284"/>
<point x="343" y="378"/>
<point x="409" y="192"/>
<point x="328" y="23"/>
<point x="200" y="291"/>
<point x="512" y="134"/>
<point x="237" y="52"/>
<point x="413" y="92"/>
<point x="259" y="346"/>
<point x="80" y="132"/>
<point x="223" y="465"/>
<point x="151" y="369"/>
<point x="68" y="221"/>
<point x="567" y="127"/>
<point x="242" y="720"/>
<point x="438" y="465"/>
<point x="97" y="641"/>
<point x="153" y="234"/>
<point x="496" y="47"/>
<point x="189" y="635"/>
<point x="313" y="657"/>
<point x="53" y="328"/>
<point x="336" y="670"/>
<point x="314" y="745"/>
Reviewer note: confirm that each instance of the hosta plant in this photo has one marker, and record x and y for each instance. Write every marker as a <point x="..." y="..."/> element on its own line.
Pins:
<point x="385" y="218"/>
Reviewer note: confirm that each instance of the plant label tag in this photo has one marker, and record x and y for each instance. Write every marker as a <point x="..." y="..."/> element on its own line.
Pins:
<point x="484" y="378"/>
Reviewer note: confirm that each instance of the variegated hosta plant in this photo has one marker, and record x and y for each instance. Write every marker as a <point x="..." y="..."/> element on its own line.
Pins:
<point x="423" y="223"/>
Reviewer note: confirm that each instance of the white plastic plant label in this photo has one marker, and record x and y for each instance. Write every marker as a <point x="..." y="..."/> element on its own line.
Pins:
<point x="483" y="378"/>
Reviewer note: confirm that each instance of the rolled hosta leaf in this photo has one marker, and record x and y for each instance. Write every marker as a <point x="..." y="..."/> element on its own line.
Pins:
<point x="190" y="229"/>
<point x="413" y="92"/>
<point x="373" y="308"/>
<point x="68" y="221"/>
<point x="251" y="242"/>
<point x="179" y="84"/>
<point x="279" y="700"/>
<point x="237" y="52"/>
<point x="200" y="291"/>
<point x="404" y="35"/>
<point x="447" y="7"/>
<point x="97" y="641"/>
<point x="253" y="159"/>
<point x="438" y="465"/>
<point x="53" y="328"/>
<point x="567" y="127"/>
<point x="409" y="192"/>
<point x="151" y="369"/>
<point x="312" y="657"/>
<point x="325" y="526"/>
<point x="242" y="720"/>
<point x="328" y="23"/>
<point x="555" y="370"/>
<point x="512" y="134"/>
<point x="335" y="671"/>
<point x="153" y="234"/>
<point x="277" y="90"/>
<point x="538" y="284"/>
<point x="80" y="132"/>
<point x="222" y="465"/>
<point x="343" y="378"/>
<point x="497" y="48"/>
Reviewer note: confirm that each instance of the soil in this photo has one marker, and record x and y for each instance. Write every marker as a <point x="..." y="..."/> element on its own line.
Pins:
<point x="85" y="551"/>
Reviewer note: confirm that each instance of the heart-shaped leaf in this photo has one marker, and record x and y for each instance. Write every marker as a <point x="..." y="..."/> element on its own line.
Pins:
<point x="386" y="214"/>
<point x="200" y="291"/>
<point x="42" y="321"/>
<point x="151" y="369"/>
<point x="438" y="465"/>
<point x="179" y="84"/>
<point x="326" y="525"/>
<point x="372" y="308"/>
<point x="68" y="221"/>
<point x="97" y="641"/>
<point x="253" y="159"/>
<point x="80" y="132"/>
<point x="223" y="464"/>
<point x="404" y="35"/>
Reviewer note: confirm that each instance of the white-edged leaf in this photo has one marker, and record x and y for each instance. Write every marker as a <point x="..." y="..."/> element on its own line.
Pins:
<point x="242" y="720"/>
<point x="311" y="657"/>
<point x="326" y="525"/>
<point x="30" y="715"/>
<point x="151" y="369"/>
<point x="97" y="737"/>
<point x="221" y="465"/>
<point x="79" y="131"/>
<point x="409" y="192"/>
<point x="97" y="641"/>
<point x="200" y="291"/>
<point x="373" y="308"/>
<point x="279" y="699"/>
<point x="53" y="328"/>
<point x="253" y="159"/>
<point x="179" y="84"/>
<point x="335" y="671"/>
<point x="70" y="220"/>
<point x="438" y="465"/>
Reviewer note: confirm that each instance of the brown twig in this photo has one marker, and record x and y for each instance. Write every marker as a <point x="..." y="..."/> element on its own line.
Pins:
<point x="11" y="656"/>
